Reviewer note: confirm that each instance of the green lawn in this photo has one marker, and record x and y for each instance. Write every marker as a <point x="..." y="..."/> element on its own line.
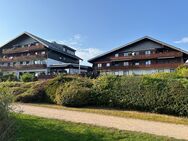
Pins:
<point x="123" y="113"/>
<point x="31" y="128"/>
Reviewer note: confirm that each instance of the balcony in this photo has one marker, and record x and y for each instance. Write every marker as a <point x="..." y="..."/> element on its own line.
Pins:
<point x="23" y="49"/>
<point x="152" y="66"/>
<point x="24" y="58"/>
<point x="149" y="56"/>
<point x="23" y="67"/>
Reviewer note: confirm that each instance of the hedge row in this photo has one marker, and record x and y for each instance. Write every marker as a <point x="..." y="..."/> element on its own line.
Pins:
<point x="159" y="93"/>
<point x="167" y="96"/>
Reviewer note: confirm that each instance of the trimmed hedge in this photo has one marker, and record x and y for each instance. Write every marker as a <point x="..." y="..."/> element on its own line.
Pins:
<point x="167" y="96"/>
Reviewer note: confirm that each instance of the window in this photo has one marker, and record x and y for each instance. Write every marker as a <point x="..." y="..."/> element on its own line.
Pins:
<point x="43" y="52"/>
<point x="161" y="70"/>
<point x="21" y="63"/>
<point x="116" y="55"/>
<point x="108" y="64"/>
<point x="148" y="62"/>
<point x="27" y="62"/>
<point x="172" y="70"/>
<point x="126" y="54"/>
<point x="147" y="52"/>
<point x="99" y="65"/>
<point x="133" y="53"/>
<point x="137" y="64"/>
<point x="125" y="63"/>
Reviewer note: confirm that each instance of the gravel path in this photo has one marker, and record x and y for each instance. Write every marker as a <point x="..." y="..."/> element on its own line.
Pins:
<point x="157" y="128"/>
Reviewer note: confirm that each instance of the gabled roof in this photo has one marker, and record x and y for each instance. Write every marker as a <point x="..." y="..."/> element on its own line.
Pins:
<point x="138" y="40"/>
<point x="47" y="44"/>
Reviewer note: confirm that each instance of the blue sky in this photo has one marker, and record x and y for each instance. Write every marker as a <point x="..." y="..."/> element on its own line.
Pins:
<point x="96" y="26"/>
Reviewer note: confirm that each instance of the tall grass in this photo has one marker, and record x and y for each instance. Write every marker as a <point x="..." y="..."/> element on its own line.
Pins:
<point x="6" y="120"/>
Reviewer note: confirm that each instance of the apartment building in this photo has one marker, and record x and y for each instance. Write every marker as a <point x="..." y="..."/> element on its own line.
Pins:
<point x="29" y="53"/>
<point x="142" y="56"/>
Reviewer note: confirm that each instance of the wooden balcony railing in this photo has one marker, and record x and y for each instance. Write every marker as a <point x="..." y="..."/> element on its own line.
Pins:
<point x="149" y="56"/>
<point x="152" y="66"/>
<point x="24" y="58"/>
<point x="23" y="67"/>
<point x="23" y="49"/>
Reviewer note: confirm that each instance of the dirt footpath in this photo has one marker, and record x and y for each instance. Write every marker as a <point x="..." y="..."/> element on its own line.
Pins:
<point x="157" y="128"/>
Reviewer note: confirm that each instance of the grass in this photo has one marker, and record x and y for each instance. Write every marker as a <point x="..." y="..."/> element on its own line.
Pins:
<point x="123" y="113"/>
<point x="31" y="128"/>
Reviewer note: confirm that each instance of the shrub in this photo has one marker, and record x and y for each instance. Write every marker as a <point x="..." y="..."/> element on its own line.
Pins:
<point x="8" y="77"/>
<point x="76" y="93"/>
<point x="143" y="93"/>
<point x="27" y="77"/>
<point x="35" y="94"/>
<point x="6" y="121"/>
<point x="53" y="84"/>
<point x="182" y="71"/>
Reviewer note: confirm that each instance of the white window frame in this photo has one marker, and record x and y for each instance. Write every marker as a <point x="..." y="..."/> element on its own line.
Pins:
<point x="108" y="64"/>
<point x="148" y="62"/>
<point x="147" y="52"/>
<point x="125" y="63"/>
<point x="99" y="65"/>
<point x="137" y="64"/>
<point x="126" y="54"/>
<point x="117" y="55"/>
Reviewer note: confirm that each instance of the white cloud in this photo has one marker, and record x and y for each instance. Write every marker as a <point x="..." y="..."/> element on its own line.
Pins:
<point x="86" y="53"/>
<point x="183" y="40"/>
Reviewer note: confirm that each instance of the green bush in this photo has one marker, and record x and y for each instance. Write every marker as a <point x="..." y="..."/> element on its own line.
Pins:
<point x="27" y="77"/>
<point x="35" y="94"/>
<point x="53" y="84"/>
<point x="143" y="93"/>
<point x="76" y="93"/>
<point x="182" y="71"/>
<point x="6" y="121"/>
<point x="8" y="77"/>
